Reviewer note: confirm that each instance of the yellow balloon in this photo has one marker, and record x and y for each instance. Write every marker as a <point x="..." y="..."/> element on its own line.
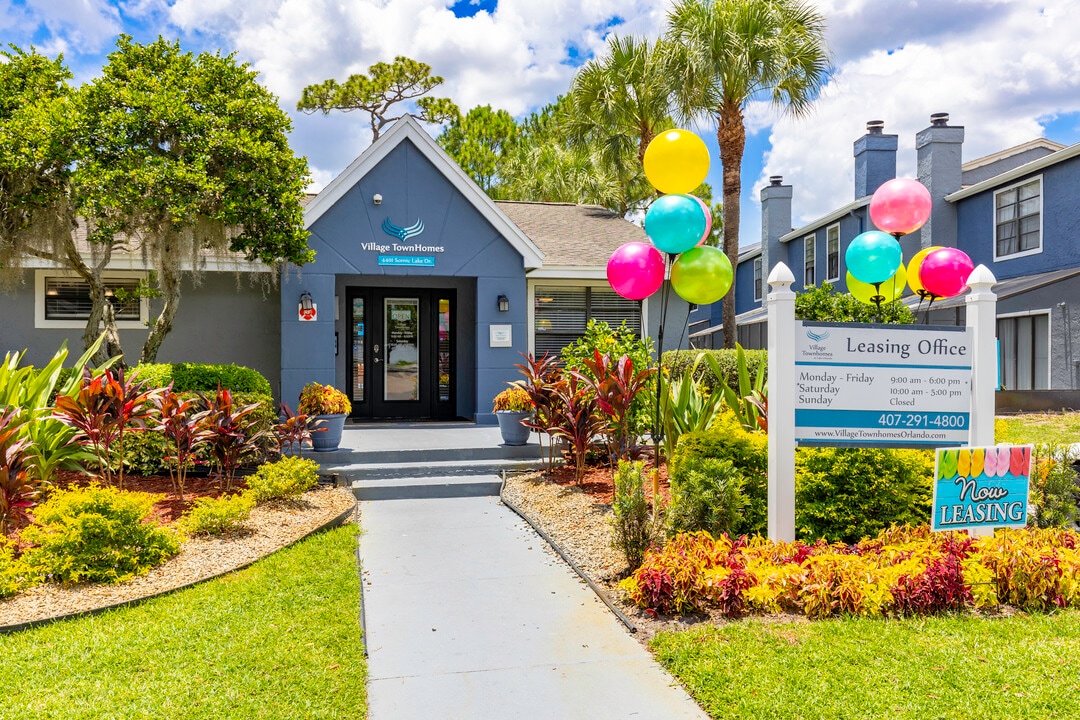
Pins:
<point x="891" y="289"/>
<point x="676" y="161"/>
<point x="913" y="270"/>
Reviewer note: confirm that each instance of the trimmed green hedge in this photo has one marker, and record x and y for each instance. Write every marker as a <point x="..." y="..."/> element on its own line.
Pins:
<point x="677" y="362"/>
<point x="203" y="377"/>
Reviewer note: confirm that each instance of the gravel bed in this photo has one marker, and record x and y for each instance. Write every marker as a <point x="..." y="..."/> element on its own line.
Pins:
<point x="580" y="525"/>
<point x="272" y="526"/>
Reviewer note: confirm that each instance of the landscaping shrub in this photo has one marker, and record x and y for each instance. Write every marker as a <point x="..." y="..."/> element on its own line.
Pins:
<point x="902" y="571"/>
<point x="615" y="342"/>
<point x="846" y="494"/>
<point x="10" y="582"/>
<point x="706" y="494"/>
<point x="1055" y="487"/>
<point x="633" y="528"/>
<point x="825" y="304"/>
<point x="678" y="362"/>
<point x="747" y="452"/>
<point x="289" y="477"/>
<point x="217" y="516"/>
<point x="96" y="534"/>
<point x="205" y="378"/>
<point x="144" y="452"/>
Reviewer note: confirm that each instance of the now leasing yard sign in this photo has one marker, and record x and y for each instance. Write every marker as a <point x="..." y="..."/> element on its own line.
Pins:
<point x="860" y="385"/>
<point x="981" y="487"/>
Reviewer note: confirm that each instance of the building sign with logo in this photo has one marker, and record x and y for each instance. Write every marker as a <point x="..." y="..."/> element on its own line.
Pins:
<point x="981" y="487"/>
<point x="860" y="385"/>
<point x="403" y="253"/>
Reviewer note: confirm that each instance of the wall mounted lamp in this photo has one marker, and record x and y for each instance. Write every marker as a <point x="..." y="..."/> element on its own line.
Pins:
<point x="305" y="301"/>
<point x="376" y="199"/>
<point x="504" y="303"/>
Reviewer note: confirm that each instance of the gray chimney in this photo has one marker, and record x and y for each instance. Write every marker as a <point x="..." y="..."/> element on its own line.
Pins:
<point x="875" y="159"/>
<point x="775" y="222"/>
<point x="939" y="155"/>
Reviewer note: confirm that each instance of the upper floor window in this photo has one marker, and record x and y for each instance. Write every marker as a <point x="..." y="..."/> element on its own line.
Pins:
<point x="757" y="279"/>
<point x="808" y="261"/>
<point x="833" y="248"/>
<point x="1018" y="220"/>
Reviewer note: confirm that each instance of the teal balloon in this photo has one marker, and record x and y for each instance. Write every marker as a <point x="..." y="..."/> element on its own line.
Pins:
<point x="702" y="275"/>
<point x="675" y="223"/>
<point x="873" y="256"/>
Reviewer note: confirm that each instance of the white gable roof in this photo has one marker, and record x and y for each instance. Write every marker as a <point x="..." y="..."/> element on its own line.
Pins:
<point x="409" y="129"/>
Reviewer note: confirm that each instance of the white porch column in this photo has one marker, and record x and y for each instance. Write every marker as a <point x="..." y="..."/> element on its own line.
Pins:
<point x="781" y="493"/>
<point x="982" y="319"/>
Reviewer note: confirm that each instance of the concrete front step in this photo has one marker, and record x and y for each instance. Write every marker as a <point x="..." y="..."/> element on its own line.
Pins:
<point x="380" y="456"/>
<point x="402" y="488"/>
<point x="445" y="468"/>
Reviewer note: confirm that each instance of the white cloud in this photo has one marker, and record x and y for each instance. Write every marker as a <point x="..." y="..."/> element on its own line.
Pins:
<point x="78" y="24"/>
<point x="1015" y="65"/>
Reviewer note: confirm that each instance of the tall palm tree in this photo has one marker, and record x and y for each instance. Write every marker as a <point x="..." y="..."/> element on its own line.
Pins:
<point x="726" y="53"/>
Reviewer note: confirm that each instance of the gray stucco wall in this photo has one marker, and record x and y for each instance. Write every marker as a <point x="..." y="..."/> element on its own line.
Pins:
<point x="412" y="189"/>
<point x="227" y="318"/>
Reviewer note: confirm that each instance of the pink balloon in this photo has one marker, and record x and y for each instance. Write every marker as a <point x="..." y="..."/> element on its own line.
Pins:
<point x="900" y="206"/>
<point x="636" y="270"/>
<point x="708" y="220"/>
<point x="945" y="272"/>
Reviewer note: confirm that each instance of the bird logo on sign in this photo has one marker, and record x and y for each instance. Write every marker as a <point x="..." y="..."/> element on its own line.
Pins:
<point x="402" y="233"/>
<point x="817" y="337"/>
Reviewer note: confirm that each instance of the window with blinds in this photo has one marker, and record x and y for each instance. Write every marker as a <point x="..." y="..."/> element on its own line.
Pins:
<point x="561" y="313"/>
<point x="1018" y="213"/>
<point x="1024" y="344"/>
<point x="69" y="299"/>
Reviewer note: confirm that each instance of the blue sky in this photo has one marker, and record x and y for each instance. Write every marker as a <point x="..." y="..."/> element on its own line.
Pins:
<point x="1008" y="70"/>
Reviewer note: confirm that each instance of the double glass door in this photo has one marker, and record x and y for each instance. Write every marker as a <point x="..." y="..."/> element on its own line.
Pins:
<point x="401" y="353"/>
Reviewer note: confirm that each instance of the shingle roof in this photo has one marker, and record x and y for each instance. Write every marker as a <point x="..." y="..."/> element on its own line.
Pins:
<point x="574" y="235"/>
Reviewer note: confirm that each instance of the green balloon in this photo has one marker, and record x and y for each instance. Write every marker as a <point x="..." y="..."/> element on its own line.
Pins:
<point x="702" y="275"/>
<point x="891" y="289"/>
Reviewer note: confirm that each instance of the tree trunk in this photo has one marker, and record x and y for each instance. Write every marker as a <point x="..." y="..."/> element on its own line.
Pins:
<point x="731" y="136"/>
<point x="101" y="310"/>
<point x="169" y="284"/>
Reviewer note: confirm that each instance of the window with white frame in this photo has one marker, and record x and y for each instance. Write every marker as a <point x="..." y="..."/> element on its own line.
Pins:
<point x="833" y="248"/>
<point x="1018" y="220"/>
<point x="808" y="261"/>
<point x="62" y="299"/>
<point x="561" y="313"/>
<point x="1024" y="346"/>
<point x="757" y="279"/>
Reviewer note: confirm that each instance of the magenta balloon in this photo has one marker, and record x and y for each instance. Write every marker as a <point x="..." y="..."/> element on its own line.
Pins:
<point x="900" y="206"/>
<point x="945" y="272"/>
<point x="636" y="270"/>
<point x="708" y="220"/>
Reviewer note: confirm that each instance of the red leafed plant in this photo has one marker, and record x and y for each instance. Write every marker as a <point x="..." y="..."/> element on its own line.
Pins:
<point x="18" y="491"/>
<point x="541" y="380"/>
<point x="294" y="430"/>
<point x="102" y="411"/>
<point x="580" y="421"/>
<point x="616" y="386"/>
<point x="234" y="434"/>
<point x="184" y="429"/>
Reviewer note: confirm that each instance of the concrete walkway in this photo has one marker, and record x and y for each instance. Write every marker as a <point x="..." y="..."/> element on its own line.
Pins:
<point x="470" y="616"/>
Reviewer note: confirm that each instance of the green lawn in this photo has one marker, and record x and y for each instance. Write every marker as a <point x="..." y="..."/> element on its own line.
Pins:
<point x="280" y="639"/>
<point x="1059" y="428"/>
<point x="941" y="667"/>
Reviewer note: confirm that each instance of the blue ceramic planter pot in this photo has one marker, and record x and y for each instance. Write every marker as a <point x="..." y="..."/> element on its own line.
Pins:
<point x="331" y="438"/>
<point x="513" y="432"/>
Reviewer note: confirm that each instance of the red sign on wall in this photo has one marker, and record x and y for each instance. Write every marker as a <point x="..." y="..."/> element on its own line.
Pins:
<point x="308" y="315"/>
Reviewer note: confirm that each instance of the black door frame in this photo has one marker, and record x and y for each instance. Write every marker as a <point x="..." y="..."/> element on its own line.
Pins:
<point x="429" y="406"/>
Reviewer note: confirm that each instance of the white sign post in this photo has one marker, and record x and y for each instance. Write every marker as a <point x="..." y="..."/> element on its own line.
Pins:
<point x="947" y="400"/>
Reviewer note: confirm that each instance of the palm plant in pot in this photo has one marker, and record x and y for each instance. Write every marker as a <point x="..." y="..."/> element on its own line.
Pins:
<point x="329" y="407"/>
<point x="511" y="407"/>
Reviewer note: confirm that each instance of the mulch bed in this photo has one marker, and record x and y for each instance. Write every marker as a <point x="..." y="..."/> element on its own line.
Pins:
<point x="598" y="481"/>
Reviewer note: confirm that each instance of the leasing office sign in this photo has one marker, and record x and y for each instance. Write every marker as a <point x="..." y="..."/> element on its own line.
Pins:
<point x="403" y="253"/>
<point x="862" y="385"/>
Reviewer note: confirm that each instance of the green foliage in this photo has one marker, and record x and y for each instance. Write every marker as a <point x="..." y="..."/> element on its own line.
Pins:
<point x="706" y="494"/>
<point x="96" y="534"/>
<point x="749" y="401"/>
<point x="204" y="377"/>
<point x="633" y="529"/>
<point x="10" y="581"/>
<point x="1055" y="486"/>
<point x="388" y="84"/>
<point x="846" y="494"/>
<point x="617" y="384"/>
<point x="478" y="140"/>
<point x="234" y="433"/>
<point x="615" y="342"/>
<point x="144" y="452"/>
<point x="726" y="362"/>
<point x="748" y="454"/>
<point x="686" y="407"/>
<point x="825" y="304"/>
<point x="217" y="516"/>
<point x="289" y="477"/>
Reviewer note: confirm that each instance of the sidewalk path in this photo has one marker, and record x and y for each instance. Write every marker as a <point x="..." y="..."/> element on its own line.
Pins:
<point x="470" y="617"/>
